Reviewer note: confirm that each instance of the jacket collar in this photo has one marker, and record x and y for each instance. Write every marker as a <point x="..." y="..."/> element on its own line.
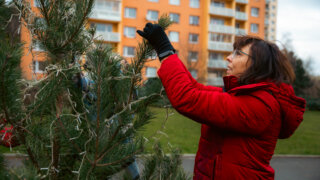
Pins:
<point x="231" y="85"/>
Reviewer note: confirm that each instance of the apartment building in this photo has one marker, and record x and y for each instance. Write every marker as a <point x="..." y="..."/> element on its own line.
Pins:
<point x="270" y="28"/>
<point x="203" y="31"/>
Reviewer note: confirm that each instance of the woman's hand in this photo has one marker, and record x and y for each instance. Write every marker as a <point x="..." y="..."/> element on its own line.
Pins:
<point x="158" y="39"/>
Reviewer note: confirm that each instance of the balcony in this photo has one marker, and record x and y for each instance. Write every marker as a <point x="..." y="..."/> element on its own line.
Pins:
<point x="240" y="32"/>
<point x="217" y="81"/>
<point x="242" y="1"/>
<point x="219" y="64"/>
<point x="266" y="22"/>
<point x="108" y="36"/>
<point x="222" y="11"/>
<point x="106" y="10"/>
<point x="241" y="16"/>
<point x="221" y="29"/>
<point x="220" y="46"/>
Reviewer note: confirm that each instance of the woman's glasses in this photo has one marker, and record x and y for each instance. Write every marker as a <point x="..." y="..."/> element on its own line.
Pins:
<point x="238" y="52"/>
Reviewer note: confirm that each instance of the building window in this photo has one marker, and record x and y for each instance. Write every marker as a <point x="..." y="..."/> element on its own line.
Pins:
<point x="129" y="32"/>
<point x="267" y="6"/>
<point x="152" y="15"/>
<point x="216" y="21"/>
<point x="215" y="56"/>
<point x="254" y="28"/>
<point x="174" y="2"/>
<point x="238" y="25"/>
<point x="151" y="72"/>
<point x="238" y="9"/>
<point x="39" y="66"/>
<point x="102" y="27"/>
<point x="153" y="55"/>
<point x="194" y="73"/>
<point x="219" y="74"/>
<point x="107" y="5"/>
<point x="128" y="51"/>
<point x="194" y="20"/>
<point x="130" y="12"/>
<point x="255" y="12"/>
<point x="175" y="17"/>
<point x="193" y="38"/>
<point x="217" y="4"/>
<point x="195" y="3"/>
<point x="193" y="56"/>
<point x="154" y="0"/>
<point x="220" y="37"/>
<point x="174" y="36"/>
<point x="37" y="46"/>
<point x="36" y="3"/>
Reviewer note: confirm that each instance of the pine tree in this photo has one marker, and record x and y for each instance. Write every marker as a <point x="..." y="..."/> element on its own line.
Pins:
<point x="78" y="124"/>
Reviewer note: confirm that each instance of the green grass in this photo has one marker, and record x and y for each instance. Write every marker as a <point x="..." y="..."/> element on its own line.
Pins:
<point x="306" y="139"/>
<point x="179" y="131"/>
<point x="184" y="133"/>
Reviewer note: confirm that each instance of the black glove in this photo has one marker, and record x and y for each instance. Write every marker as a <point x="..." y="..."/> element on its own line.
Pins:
<point x="158" y="39"/>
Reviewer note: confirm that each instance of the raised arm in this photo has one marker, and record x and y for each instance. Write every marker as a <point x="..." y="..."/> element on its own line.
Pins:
<point x="214" y="108"/>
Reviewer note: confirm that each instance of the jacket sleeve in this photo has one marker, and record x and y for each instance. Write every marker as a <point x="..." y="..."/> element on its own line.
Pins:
<point x="245" y="114"/>
<point x="195" y="84"/>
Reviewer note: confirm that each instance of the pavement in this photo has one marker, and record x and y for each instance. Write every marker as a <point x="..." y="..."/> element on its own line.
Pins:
<point x="287" y="167"/>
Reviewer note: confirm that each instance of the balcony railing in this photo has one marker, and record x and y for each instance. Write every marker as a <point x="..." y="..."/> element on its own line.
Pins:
<point x="221" y="29"/>
<point x="242" y="1"/>
<point x="241" y="16"/>
<point x="106" y="15"/>
<point x="107" y="10"/>
<point x="220" y="46"/>
<point x="222" y="11"/>
<point x="221" y="64"/>
<point x="108" y="36"/>
<point x="240" y="32"/>
<point x="217" y="81"/>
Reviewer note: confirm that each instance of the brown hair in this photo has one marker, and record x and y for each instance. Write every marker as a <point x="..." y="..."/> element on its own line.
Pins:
<point x="268" y="63"/>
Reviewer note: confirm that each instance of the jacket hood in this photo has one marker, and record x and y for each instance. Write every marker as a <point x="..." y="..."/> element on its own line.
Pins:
<point x="292" y="107"/>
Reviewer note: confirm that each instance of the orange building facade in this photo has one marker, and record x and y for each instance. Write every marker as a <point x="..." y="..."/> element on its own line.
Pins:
<point x="203" y="32"/>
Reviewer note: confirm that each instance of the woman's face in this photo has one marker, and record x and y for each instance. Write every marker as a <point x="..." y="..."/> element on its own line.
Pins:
<point x="238" y="61"/>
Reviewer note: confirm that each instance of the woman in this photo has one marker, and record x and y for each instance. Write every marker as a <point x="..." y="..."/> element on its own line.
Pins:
<point x="242" y="122"/>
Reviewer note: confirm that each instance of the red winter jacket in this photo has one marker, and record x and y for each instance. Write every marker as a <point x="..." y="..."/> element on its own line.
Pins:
<point x="240" y="127"/>
<point x="6" y="137"/>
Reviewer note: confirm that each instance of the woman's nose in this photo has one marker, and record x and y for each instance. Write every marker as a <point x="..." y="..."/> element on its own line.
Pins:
<point x="229" y="58"/>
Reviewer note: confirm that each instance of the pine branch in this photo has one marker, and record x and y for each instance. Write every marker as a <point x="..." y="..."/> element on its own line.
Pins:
<point x="20" y="132"/>
<point x="80" y="24"/>
<point x="121" y="160"/>
<point x="98" y="113"/>
<point x="144" y="50"/>
<point x="44" y="11"/>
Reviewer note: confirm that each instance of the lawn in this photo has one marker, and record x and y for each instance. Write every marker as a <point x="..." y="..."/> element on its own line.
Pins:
<point x="184" y="133"/>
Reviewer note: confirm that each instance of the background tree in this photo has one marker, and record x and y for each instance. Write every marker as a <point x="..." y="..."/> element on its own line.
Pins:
<point x="305" y="85"/>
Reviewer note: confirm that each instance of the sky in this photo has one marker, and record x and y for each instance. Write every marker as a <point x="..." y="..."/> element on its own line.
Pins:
<point x="300" y="19"/>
